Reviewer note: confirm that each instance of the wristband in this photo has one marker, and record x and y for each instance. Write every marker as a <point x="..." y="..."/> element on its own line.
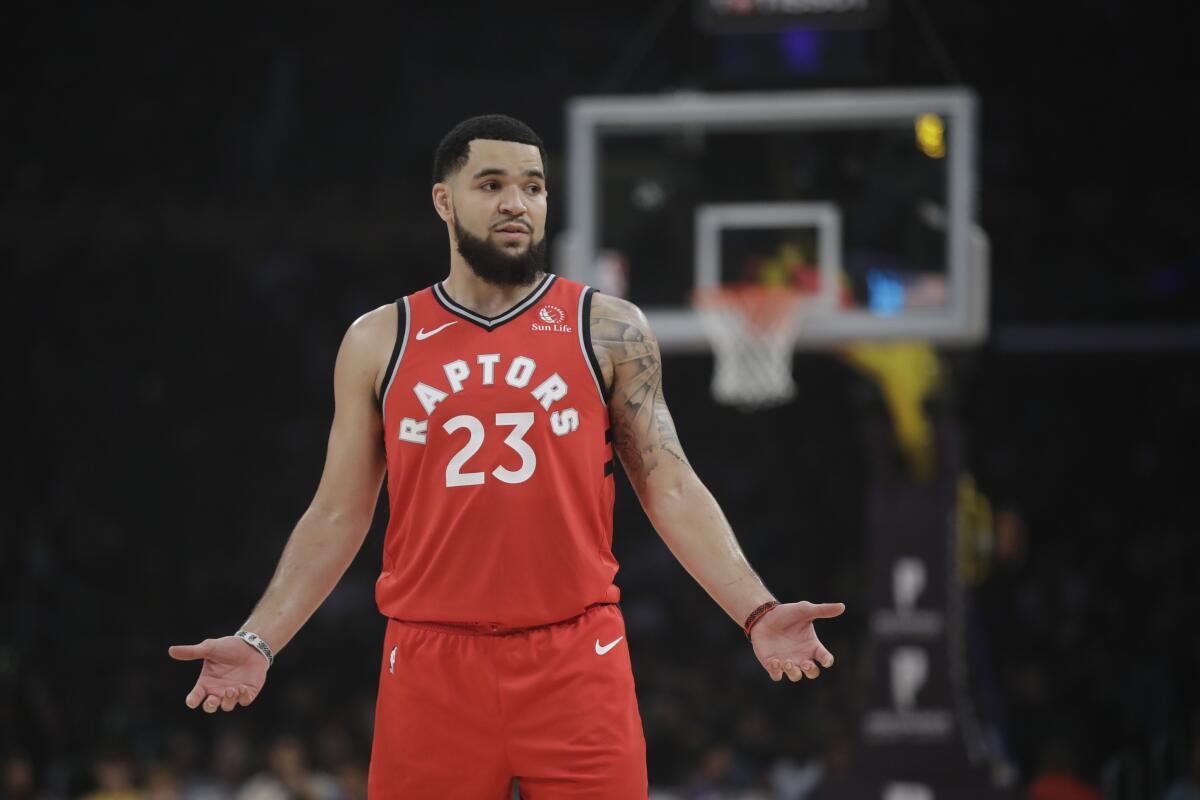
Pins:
<point x="758" y="614"/>
<point x="256" y="641"/>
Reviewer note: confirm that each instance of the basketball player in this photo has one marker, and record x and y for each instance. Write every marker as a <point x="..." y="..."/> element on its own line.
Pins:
<point x="493" y="402"/>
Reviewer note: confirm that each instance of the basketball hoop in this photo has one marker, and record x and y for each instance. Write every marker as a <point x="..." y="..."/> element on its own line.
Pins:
<point x="753" y="330"/>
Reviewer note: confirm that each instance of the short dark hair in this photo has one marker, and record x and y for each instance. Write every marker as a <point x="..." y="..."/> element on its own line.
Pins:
<point x="454" y="149"/>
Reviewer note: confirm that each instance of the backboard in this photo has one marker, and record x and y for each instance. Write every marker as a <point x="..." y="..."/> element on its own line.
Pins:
<point x="866" y="198"/>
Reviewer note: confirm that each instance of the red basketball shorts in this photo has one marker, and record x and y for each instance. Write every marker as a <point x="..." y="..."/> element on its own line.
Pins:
<point x="461" y="713"/>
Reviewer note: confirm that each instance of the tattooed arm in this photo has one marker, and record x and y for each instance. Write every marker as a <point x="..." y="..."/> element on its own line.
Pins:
<point x="680" y="507"/>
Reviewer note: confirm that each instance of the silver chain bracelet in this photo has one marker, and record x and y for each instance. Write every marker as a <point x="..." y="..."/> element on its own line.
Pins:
<point x="256" y="641"/>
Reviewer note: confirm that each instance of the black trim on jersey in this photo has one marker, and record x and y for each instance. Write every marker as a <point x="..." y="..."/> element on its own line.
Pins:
<point x="586" y="323"/>
<point x="491" y="323"/>
<point x="401" y="335"/>
<point x="608" y="467"/>
<point x="608" y="435"/>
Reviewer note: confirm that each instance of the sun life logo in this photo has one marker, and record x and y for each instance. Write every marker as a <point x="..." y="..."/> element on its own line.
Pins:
<point x="551" y="315"/>
<point x="551" y="319"/>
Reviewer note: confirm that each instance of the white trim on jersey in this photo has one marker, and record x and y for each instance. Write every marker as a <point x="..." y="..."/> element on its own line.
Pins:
<point x="399" y="358"/>
<point x="507" y="315"/>
<point x="583" y="346"/>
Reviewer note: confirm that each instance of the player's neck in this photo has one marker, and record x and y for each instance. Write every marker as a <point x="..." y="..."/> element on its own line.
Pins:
<point x="487" y="299"/>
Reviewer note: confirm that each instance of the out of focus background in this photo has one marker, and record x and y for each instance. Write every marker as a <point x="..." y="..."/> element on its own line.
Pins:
<point x="196" y="202"/>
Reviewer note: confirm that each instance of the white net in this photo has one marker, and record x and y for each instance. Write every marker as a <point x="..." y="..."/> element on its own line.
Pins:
<point x="753" y="332"/>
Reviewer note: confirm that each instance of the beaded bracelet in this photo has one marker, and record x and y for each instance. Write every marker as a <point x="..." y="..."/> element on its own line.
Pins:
<point x="757" y="614"/>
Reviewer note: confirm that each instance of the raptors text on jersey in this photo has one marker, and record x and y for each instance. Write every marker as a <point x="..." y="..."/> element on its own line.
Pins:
<point x="499" y="462"/>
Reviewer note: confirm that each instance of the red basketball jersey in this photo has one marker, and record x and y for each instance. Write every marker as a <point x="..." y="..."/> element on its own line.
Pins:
<point x="499" y="462"/>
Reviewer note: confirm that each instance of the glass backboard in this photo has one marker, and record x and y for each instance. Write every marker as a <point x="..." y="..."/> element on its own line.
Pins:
<point x="865" y="198"/>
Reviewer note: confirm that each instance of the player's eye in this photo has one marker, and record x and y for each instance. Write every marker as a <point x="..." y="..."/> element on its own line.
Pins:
<point x="534" y="188"/>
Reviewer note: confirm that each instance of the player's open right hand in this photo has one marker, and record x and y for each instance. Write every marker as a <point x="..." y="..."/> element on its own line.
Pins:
<point x="233" y="673"/>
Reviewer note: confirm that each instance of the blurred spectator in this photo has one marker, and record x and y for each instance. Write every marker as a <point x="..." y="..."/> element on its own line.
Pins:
<point x="228" y="766"/>
<point x="1188" y="786"/>
<point x="836" y="774"/>
<point x="16" y="777"/>
<point x="288" y="776"/>
<point x="723" y="773"/>
<point x="1011" y="538"/>
<point x="333" y="746"/>
<point x="351" y="780"/>
<point x="1058" y="779"/>
<point x="115" y="776"/>
<point x="794" y="780"/>
<point x="162" y="783"/>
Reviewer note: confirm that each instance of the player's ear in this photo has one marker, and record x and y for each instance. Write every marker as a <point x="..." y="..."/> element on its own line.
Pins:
<point x="441" y="201"/>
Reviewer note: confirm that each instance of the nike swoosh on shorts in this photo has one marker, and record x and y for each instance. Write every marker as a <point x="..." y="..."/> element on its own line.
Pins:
<point x="602" y="649"/>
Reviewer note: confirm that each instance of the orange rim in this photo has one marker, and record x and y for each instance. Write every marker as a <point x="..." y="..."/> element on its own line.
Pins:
<point x="764" y="307"/>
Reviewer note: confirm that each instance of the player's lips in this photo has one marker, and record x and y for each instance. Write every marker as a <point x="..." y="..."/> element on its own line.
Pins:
<point x="512" y="231"/>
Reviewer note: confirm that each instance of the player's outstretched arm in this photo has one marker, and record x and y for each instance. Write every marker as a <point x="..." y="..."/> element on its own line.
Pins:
<point x="681" y="508"/>
<point x="328" y="535"/>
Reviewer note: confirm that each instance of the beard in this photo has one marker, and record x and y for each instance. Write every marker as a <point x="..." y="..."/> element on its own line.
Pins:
<point x="492" y="264"/>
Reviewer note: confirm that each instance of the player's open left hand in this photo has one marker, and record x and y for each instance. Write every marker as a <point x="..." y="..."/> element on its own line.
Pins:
<point x="233" y="673"/>
<point x="786" y="642"/>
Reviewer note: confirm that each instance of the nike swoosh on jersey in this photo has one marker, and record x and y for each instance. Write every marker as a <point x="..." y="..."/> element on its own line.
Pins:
<point x="602" y="649"/>
<point x="423" y="334"/>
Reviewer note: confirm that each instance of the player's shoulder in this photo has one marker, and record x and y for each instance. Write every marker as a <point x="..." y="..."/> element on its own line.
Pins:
<point x="618" y="308"/>
<point x="377" y="322"/>
<point x="615" y="315"/>
<point x="371" y="333"/>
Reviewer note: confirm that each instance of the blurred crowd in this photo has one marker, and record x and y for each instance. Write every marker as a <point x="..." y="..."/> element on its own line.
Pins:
<point x="227" y="768"/>
<point x="1087" y="615"/>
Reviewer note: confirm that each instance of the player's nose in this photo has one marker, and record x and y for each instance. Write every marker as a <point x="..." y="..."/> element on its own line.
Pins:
<point x="511" y="202"/>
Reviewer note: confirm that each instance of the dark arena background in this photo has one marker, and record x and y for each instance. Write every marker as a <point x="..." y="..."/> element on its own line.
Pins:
<point x="197" y="201"/>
